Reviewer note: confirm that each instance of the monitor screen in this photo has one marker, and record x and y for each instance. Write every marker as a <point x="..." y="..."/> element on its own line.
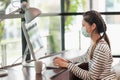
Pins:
<point x="35" y="38"/>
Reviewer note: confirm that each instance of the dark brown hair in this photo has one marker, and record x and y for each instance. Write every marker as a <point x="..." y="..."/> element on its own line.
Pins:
<point x="95" y="17"/>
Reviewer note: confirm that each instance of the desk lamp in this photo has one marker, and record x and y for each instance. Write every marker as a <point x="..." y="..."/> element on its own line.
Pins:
<point x="29" y="14"/>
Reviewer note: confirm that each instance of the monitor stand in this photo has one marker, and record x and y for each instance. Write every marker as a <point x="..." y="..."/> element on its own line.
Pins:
<point x="3" y="73"/>
<point x="24" y="62"/>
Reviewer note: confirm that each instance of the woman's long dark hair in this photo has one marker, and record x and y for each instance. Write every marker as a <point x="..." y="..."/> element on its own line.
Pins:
<point x="95" y="17"/>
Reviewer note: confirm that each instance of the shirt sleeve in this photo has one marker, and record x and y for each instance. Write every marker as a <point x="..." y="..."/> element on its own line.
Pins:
<point x="97" y="65"/>
<point x="80" y="59"/>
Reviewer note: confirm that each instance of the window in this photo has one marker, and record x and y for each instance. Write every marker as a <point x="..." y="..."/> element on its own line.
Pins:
<point x="46" y="6"/>
<point x="111" y="19"/>
<point x="50" y="26"/>
<point x="73" y="24"/>
<point x="10" y="44"/>
<point x="11" y="41"/>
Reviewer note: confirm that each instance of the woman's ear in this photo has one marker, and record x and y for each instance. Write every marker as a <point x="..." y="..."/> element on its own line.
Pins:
<point x="93" y="26"/>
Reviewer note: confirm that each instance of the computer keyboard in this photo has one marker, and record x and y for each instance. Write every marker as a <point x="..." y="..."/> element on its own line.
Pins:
<point x="52" y="67"/>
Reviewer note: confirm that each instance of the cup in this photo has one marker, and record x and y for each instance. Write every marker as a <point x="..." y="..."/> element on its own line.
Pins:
<point x="39" y="67"/>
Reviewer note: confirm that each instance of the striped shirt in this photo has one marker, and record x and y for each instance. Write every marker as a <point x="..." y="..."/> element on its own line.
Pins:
<point x="99" y="65"/>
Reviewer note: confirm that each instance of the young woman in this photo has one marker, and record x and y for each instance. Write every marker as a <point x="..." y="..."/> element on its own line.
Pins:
<point x="98" y="55"/>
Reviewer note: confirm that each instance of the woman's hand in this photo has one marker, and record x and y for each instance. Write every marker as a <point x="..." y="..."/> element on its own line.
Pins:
<point x="60" y="62"/>
<point x="62" y="59"/>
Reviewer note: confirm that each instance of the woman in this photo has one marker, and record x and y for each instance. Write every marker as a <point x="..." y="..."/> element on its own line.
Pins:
<point x="98" y="55"/>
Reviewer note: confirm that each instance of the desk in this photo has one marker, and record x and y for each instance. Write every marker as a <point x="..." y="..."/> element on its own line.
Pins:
<point x="28" y="73"/>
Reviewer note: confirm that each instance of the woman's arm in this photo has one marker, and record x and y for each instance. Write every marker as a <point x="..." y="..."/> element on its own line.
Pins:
<point x="80" y="59"/>
<point x="58" y="61"/>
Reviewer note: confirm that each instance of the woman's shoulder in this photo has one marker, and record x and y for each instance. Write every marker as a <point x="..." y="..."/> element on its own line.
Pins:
<point x="102" y="41"/>
<point x="103" y="46"/>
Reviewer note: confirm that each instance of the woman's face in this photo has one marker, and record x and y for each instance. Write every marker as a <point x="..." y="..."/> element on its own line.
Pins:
<point x="87" y="26"/>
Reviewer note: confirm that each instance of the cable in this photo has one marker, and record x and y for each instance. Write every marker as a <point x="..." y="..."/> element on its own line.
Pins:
<point x="16" y="60"/>
<point x="24" y="56"/>
<point x="14" y="63"/>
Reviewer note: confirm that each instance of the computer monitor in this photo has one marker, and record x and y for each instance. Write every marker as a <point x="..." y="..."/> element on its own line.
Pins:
<point x="33" y="38"/>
